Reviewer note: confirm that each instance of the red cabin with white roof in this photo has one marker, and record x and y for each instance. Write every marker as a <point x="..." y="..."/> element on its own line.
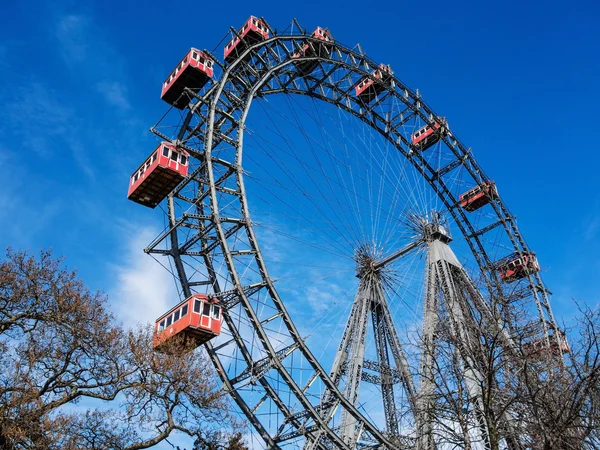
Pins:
<point x="313" y="49"/>
<point x="193" y="72"/>
<point x="369" y="88"/>
<point x="197" y="317"/>
<point x="428" y="135"/>
<point x="158" y="175"/>
<point x="253" y="31"/>
<point x="479" y="196"/>
<point x="517" y="266"/>
<point x="541" y="347"/>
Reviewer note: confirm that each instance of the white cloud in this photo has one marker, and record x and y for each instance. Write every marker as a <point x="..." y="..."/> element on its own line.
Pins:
<point x="35" y="112"/>
<point x="88" y="52"/>
<point x="71" y="32"/>
<point x="46" y="125"/>
<point x="114" y="93"/>
<point x="144" y="289"/>
<point x="591" y="229"/>
<point x="591" y="224"/>
<point x="22" y="219"/>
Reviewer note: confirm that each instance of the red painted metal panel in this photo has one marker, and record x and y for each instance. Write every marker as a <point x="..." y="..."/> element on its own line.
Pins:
<point x="193" y="72"/>
<point x="205" y="321"/>
<point x="479" y="196"/>
<point x="424" y="133"/>
<point x="428" y="135"/>
<point x="253" y="31"/>
<point x="312" y="49"/>
<point x="158" y="175"/>
<point x="558" y="344"/>
<point x="198" y="326"/>
<point x="518" y="267"/>
<point x="368" y="89"/>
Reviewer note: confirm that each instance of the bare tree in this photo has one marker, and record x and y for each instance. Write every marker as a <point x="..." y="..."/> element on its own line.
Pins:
<point x="531" y="396"/>
<point x="60" y="345"/>
<point x="562" y="399"/>
<point x="461" y="420"/>
<point x="220" y="441"/>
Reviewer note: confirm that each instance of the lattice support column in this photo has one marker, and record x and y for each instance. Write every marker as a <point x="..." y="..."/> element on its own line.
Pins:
<point x="349" y="364"/>
<point x="446" y="281"/>
<point x="356" y="360"/>
<point x="425" y="401"/>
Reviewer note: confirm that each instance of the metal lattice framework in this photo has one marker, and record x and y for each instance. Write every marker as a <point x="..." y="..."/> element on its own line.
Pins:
<point x="211" y="238"/>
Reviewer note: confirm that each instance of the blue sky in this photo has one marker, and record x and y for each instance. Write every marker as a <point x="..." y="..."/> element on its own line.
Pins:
<point x="80" y="85"/>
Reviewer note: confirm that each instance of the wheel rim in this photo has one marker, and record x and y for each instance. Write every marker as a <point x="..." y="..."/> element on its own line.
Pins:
<point x="218" y="183"/>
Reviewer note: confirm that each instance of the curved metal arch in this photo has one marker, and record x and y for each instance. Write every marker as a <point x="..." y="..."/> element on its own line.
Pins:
<point x="244" y="300"/>
<point x="461" y="152"/>
<point x="239" y="341"/>
<point x="419" y="108"/>
<point x="422" y="110"/>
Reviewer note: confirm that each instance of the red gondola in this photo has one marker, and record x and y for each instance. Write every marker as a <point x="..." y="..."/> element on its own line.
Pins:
<point x="158" y="175"/>
<point x="428" y="135"/>
<point x="313" y="49"/>
<point x="193" y="72"/>
<point x="253" y="31"/>
<point x="479" y="196"/>
<point x="198" y="317"/>
<point x="368" y="88"/>
<point x="517" y="266"/>
<point x="558" y="345"/>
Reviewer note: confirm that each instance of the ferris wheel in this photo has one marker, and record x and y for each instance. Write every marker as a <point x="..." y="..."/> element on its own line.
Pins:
<point x="334" y="237"/>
